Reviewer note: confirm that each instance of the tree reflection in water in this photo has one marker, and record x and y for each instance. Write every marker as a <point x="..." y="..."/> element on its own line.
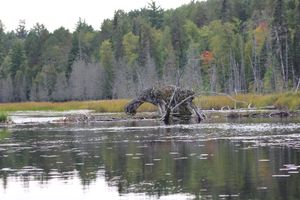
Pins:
<point x="154" y="161"/>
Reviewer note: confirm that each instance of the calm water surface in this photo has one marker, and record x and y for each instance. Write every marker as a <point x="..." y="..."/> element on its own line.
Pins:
<point x="253" y="159"/>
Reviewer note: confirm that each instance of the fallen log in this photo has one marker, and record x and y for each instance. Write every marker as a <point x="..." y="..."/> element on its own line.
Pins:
<point x="280" y="114"/>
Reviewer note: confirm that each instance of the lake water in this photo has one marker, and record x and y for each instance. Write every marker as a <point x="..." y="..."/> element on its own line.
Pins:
<point x="252" y="159"/>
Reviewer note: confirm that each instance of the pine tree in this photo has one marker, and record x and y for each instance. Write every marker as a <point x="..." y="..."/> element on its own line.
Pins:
<point x="21" y="30"/>
<point x="107" y="61"/>
<point x="2" y="47"/>
<point x="155" y="15"/>
<point x="225" y="11"/>
<point x="120" y="28"/>
<point x="18" y="58"/>
<point x="179" y="42"/>
<point x="280" y="41"/>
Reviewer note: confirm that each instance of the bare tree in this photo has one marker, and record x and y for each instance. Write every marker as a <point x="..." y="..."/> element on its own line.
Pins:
<point x="39" y="90"/>
<point x="192" y="76"/>
<point x="61" y="91"/>
<point x="86" y="80"/>
<point x="94" y="81"/>
<point x="147" y="74"/>
<point x="78" y="80"/>
<point x="170" y="71"/>
<point x="213" y="78"/>
<point x="20" y="87"/>
<point x="125" y="86"/>
<point x="6" y="89"/>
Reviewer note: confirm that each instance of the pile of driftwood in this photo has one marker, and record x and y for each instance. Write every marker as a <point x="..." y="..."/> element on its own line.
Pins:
<point x="76" y="118"/>
<point x="172" y="102"/>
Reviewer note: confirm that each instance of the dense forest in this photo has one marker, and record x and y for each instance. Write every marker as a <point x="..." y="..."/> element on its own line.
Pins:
<point x="228" y="46"/>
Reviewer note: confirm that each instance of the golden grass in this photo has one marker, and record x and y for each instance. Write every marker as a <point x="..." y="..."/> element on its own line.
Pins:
<point x="216" y="102"/>
<point x="288" y="100"/>
<point x="284" y="100"/>
<point x="115" y="105"/>
<point x="98" y="106"/>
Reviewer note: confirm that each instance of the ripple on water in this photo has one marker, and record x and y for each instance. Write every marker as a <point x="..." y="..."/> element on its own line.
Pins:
<point x="7" y="170"/>
<point x="11" y="144"/>
<point x="280" y="175"/>
<point x="49" y="156"/>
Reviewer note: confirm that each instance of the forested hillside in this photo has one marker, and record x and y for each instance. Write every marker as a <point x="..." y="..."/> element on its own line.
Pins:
<point x="231" y="46"/>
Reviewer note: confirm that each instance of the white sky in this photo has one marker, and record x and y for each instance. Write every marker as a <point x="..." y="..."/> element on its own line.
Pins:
<point x="56" y="13"/>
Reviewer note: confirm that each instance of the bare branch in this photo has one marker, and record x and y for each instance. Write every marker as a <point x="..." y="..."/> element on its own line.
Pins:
<point x="184" y="100"/>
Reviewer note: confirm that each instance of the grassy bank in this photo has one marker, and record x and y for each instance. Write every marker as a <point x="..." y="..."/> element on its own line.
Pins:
<point x="98" y="106"/>
<point x="289" y="101"/>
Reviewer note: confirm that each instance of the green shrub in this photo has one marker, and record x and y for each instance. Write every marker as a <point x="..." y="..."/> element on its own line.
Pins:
<point x="3" y="117"/>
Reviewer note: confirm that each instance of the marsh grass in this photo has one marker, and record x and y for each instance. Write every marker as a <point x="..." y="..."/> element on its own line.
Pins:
<point x="289" y="101"/>
<point x="3" y="117"/>
<point x="98" y="106"/>
<point x="116" y="105"/>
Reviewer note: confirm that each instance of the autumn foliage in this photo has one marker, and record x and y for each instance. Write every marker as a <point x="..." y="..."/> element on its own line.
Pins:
<point x="261" y="33"/>
<point x="207" y="57"/>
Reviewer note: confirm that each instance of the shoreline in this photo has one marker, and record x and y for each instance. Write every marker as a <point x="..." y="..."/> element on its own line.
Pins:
<point x="89" y="116"/>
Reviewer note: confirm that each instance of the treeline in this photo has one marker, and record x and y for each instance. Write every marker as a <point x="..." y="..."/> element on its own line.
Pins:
<point x="231" y="46"/>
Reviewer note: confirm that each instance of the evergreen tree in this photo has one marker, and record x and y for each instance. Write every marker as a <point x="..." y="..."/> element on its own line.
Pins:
<point x="2" y="47"/>
<point x="144" y="45"/>
<point x="18" y="59"/>
<point x="155" y="15"/>
<point x="120" y="28"/>
<point x="107" y="61"/>
<point x="280" y="41"/>
<point x="21" y="30"/>
<point x="34" y="46"/>
<point x="17" y="66"/>
<point x="56" y="49"/>
<point x="225" y="11"/>
<point x="179" y="41"/>
<point x="81" y="41"/>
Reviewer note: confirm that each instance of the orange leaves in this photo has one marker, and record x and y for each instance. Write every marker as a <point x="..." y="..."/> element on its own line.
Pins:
<point x="207" y="57"/>
<point x="260" y="33"/>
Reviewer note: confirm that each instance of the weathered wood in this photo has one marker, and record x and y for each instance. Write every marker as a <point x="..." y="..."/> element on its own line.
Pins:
<point x="171" y="101"/>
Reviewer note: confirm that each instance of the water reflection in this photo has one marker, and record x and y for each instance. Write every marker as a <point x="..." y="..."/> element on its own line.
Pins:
<point x="212" y="161"/>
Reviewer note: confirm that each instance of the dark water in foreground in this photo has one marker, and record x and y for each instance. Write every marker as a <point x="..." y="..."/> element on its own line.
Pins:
<point x="146" y="160"/>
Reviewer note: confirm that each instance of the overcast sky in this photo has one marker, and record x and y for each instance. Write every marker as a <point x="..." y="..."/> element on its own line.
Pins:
<point x="56" y="13"/>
